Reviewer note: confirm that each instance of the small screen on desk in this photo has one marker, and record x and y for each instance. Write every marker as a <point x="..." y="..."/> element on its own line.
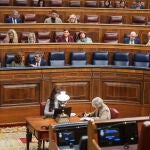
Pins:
<point x="70" y="135"/>
<point x="65" y="138"/>
<point x="116" y="134"/>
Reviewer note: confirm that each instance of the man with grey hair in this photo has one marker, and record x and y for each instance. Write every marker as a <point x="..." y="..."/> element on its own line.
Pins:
<point x="38" y="60"/>
<point x="101" y="110"/>
<point x="14" y="18"/>
<point x="132" y="39"/>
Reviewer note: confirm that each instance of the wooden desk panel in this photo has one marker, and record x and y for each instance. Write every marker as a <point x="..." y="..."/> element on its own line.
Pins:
<point x="81" y="90"/>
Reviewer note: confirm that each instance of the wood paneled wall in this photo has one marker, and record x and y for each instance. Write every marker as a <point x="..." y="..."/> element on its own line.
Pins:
<point x="21" y="91"/>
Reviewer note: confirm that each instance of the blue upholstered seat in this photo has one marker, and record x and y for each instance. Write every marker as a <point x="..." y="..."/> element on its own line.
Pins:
<point x="141" y="60"/>
<point x="31" y="58"/>
<point x="56" y="59"/>
<point x="8" y="59"/>
<point x="78" y="58"/>
<point x="100" y="58"/>
<point x="121" y="59"/>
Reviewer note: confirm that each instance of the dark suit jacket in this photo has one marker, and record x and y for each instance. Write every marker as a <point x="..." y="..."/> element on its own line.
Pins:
<point x="136" y="41"/>
<point x="62" y="39"/>
<point x="10" y="20"/>
<point x="43" y="62"/>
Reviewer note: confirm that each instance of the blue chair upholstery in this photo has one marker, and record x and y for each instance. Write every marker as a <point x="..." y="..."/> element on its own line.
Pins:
<point x="100" y="58"/>
<point x="141" y="60"/>
<point x="8" y="59"/>
<point x="78" y="58"/>
<point x="121" y="59"/>
<point x="31" y="58"/>
<point x="56" y="59"/>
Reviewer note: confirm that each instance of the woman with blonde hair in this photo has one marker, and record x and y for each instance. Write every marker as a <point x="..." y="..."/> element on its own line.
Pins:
<point x="11" y="37"/>
<point x="72" y="19"/>
<point x="31" y="38"/>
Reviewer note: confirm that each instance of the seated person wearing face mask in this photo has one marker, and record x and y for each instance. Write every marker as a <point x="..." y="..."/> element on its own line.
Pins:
<point x="54" y="18"/>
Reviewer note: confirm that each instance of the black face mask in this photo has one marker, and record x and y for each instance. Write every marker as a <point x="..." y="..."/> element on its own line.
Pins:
<point x="53" y="20"/>
<point x="11" y="41"/>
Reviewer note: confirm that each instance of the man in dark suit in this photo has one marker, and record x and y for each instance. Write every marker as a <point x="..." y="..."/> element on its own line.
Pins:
<point x="14" y="18"/>
<point x="38" y="60"/>
<point x="132" y="39"/>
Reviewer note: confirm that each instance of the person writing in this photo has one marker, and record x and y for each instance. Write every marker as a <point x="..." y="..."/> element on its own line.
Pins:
<point x="52" y="103"/>
<point x="101" y="110"/>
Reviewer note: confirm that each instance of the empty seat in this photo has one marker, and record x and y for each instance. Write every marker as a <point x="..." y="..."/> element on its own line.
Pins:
<point x="102" y="4"/>
<point x="73" y="3"/>
<point x="141" y="60"/>
<point x="44" y="37"/>
<point x="57" y="34"/>
<point x="56" y="3"/>
<point x="21" y="3"/>
<point x="31" y="58"/>
<point x="24" y="37"/>
<point x="116" y="20"/>
<point x="30" y="18"/>
<point x="114" y="113"/>
<point x="78" y="58"/>
<point x="110" y="37"/>
<point x="139" y="20"/>
<point x="91" y="3"/>
<point x="100" y="58"/>
<point x="8" y="59"/>
<point x="4" y="2"/>
<point x="91" y="19"/>
<point x="121" y="59"/>
<point x="2" y="36"/>
<point x="56" y="59"/>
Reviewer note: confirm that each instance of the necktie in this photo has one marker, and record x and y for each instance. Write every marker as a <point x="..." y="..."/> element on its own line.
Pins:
<point x="38" y="63"/>
<point x="14" y="21"/>
<point x="132" y="42"/>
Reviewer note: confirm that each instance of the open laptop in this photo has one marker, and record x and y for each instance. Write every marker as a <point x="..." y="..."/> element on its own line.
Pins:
<point x="57" y="111"/>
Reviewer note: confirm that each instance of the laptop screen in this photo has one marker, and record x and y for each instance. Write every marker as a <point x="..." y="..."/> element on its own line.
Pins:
<point x="117" y="134"/>
<point x="57" y="111"/>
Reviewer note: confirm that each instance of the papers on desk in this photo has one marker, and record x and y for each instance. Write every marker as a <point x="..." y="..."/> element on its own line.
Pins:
<point x="73" y="114"/>
<point x="86" y="119"/>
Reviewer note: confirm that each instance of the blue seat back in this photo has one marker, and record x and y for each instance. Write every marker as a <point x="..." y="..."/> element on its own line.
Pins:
<point x="56" y="59"/>
<point x="8" y="59"/>
<point x="141" y="60"/>
<point x="31" y="58"/>
<point x="121" y="59"/>
<point x="100" y="58"/>
<point x="78" y="58"/>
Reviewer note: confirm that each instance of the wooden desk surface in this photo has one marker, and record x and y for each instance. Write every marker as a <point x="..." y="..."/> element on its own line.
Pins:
<point x="37" y="122"/>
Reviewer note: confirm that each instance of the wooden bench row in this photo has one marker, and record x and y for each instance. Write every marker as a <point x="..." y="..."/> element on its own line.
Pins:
<point x="26" y="49"/>
<point x="68" y="3"/>
<point x="96" y="32"/>
<point x="102" y="16"/>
